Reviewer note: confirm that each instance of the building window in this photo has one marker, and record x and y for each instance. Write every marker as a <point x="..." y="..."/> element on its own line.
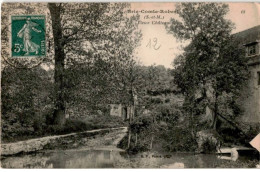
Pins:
<point x="251" y="50"/>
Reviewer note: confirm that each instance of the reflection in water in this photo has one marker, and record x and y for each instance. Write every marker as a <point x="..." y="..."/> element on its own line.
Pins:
<point x="111" y="159"/>
<point x="232" y="158"/>
<point x="84" y="159"/>
<point x="65" y="159"/>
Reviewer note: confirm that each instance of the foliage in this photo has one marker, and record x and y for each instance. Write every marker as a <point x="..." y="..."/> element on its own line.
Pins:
<point x="208" y="147"/>
<point x="162" y="110"/>
<point x="168" y="112"/>
<point x="141" y="129"/>
<point x="154" y="85"/>
<point x="27" y="105"/>
<point x="100" y="37"/>
<point x="97" y="71"/>
<point x="142" y="146"/>
<point x="160" y="129"/>
<point x="233" y="136"/>
<point x="141" y="124"/>
<point x="212" y="66"/>
<point x="26" y="99"/>
<point x="95" y="37"/>
<point x="179" y="139"/>
<point x="172" y="138"/>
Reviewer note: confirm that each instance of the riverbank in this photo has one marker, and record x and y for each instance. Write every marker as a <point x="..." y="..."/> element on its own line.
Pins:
<point x="93" y="138"/>
<point x="92" y="122"/>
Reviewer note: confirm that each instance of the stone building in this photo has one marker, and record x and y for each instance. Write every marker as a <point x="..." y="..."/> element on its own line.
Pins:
<point x="120" y="111"/>
<point x="250" y="98"/>
<point x="123" y="110"/>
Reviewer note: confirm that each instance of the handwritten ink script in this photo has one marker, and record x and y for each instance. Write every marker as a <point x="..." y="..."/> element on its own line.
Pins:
<point x="153" y="44"/>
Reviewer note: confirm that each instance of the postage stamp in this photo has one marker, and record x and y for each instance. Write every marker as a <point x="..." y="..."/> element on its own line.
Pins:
<point x="28" y="36"/>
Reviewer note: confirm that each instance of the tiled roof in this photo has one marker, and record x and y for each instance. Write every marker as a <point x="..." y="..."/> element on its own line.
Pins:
<point x="248" y="36"/>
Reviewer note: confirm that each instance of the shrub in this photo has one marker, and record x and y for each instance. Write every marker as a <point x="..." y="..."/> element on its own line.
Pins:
<point x="232" y="135"/>
<point x="167" y="112"/>
<point x="179" y="139"/>
<point x="141" y="123"/>
<point x="156" y="100"/>
<point x="25" y="96"/>
<point x="167" y="100"/>
<point x="143" y="145"/>
<point x="208" y="147"/>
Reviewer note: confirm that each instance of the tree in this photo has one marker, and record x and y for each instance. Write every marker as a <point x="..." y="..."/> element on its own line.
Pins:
<point x="101" y="33"/>
<point x="59" y="42"/>
<point x="212" y="65"/>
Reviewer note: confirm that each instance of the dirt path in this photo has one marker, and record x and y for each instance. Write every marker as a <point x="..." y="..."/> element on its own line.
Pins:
<point x="86" y="139"/>
<point x="106" y="141"/>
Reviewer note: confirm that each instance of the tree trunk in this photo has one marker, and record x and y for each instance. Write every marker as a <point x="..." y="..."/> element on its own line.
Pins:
<point x="135" y="139"/>
<point x="129" y="139"/>
<point x="191" y="117"/>
<point x="192" y="124"/>
<point x="133" y="102"/>
<point x="215" y="117"/>
<point x="151" y="145"/>
<point x="59" y="102"/>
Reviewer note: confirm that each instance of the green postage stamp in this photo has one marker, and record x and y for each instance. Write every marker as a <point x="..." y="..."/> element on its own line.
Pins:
<point x="28" y="36"/>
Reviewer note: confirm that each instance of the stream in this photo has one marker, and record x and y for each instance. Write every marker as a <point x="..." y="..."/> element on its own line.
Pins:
<point x="102" y="152"/>
<point x="116" y="158"/>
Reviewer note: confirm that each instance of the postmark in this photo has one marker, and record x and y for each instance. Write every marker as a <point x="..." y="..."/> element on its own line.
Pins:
<point x="28" y="36"/>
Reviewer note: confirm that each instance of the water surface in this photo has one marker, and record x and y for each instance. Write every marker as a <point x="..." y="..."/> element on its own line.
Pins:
<point x="116" y="158"/>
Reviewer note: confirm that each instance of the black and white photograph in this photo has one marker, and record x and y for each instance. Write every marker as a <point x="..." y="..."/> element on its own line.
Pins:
<point x="146" y="85"/>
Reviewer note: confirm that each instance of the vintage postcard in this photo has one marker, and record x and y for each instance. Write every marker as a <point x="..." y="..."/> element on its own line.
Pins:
<point x="130" y="85"/>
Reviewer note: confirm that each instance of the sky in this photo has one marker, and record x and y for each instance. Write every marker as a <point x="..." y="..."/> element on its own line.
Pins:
<point x="160" y="48"/>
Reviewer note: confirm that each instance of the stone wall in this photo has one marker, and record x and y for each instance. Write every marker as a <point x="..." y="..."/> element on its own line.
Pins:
<point x="120" y="110"/>
<point x="116" y="110"/>
<point x="250" y="97"/>
<point x="33" y="145"/>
